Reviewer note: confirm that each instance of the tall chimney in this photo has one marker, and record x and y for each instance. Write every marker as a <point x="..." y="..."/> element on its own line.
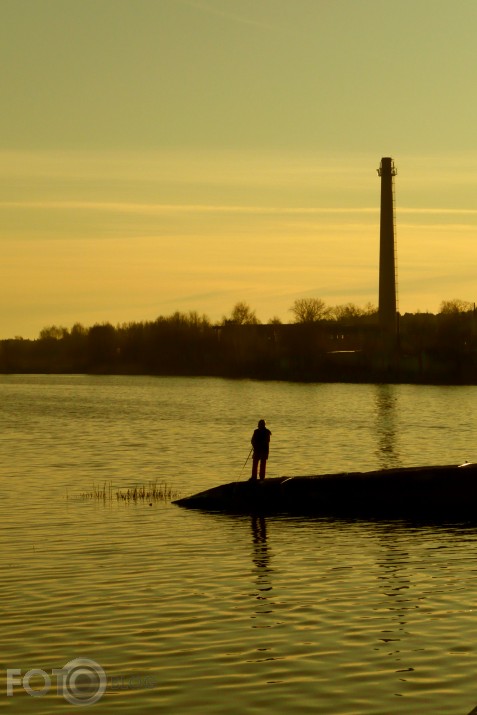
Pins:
<point x="387" y="250"/>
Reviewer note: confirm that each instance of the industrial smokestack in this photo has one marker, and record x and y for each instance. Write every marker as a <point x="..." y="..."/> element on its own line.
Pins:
<point x="387" y="250"/>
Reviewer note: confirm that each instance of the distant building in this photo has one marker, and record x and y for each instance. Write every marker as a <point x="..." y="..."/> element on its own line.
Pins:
<point x="387" y="251"/>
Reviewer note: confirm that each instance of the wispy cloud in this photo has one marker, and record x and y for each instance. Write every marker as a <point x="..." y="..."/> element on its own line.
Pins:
<point x="209" y="9"/>
<point x="149" y="208"/>
<point x="436" y="211"/>
<point x="158" y="209"/>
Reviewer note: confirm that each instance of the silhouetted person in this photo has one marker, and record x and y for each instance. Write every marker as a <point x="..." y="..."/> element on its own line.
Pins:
<point x="260" y="443"/>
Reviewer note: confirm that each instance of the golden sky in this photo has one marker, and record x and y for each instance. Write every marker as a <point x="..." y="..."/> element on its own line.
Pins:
<point x="163" y="155"/>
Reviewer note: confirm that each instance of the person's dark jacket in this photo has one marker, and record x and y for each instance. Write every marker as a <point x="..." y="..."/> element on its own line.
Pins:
<point x="260" y="442"/>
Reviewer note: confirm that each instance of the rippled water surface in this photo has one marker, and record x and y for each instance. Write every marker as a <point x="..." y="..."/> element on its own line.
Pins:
<point x="189" y="612"/>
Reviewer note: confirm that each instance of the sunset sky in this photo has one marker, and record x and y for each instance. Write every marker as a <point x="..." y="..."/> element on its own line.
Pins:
<point x="163" y="155"/>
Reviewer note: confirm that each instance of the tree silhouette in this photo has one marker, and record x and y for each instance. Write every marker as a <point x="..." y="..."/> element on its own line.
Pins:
<point x="310" y="310"/>
<point x="350" y="311"/>
<point x="438" y="347"/>
<point x="242" y="314"/>
<point x="455" y="306"/>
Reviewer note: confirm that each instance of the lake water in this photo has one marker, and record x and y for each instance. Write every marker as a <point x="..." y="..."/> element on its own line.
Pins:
<point x="189" y="612"/>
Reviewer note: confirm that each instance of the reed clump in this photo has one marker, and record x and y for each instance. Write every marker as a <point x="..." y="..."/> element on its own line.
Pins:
<point x="150" y="492"/>
<point x="98" y="492"/>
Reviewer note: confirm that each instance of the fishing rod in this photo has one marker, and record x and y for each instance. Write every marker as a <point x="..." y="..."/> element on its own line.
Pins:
<point x="248" y="457"/>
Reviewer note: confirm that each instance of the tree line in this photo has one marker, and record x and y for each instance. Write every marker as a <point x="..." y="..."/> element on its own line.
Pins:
<point x="322" y="342"/>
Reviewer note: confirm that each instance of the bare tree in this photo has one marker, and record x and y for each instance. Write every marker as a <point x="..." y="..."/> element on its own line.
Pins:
<point x="455" y="306"/>
<point x="350" y="311"/>
<point x="310" y="310"/>
<point x="53" y="332"/>
<point x="242" y="314"/>
<point x="370" y="309"/>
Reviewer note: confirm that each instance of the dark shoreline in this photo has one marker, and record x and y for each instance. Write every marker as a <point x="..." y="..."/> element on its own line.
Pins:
<point x="369" y="378"/>
<point x="428" y="350"/>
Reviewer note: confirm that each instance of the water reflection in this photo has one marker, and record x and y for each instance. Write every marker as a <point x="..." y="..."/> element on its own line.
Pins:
<point x="396" y="586"/>
<point x="261" y="556"/>
<point x="386" y="409"/>
<point x="261" y="559"/>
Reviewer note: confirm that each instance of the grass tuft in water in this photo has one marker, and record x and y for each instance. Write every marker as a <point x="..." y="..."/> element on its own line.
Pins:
<point x="151" y="492"/>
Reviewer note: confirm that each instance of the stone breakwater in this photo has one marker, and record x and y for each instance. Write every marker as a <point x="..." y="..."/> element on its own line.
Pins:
<point x="423" y="492"/>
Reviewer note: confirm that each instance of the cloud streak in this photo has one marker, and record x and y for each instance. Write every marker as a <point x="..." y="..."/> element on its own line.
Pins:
<point x="150" y="208"/>
<point x="143" y="208"/>
<point x="226" y="15"/>
<point x="138" y="207"/>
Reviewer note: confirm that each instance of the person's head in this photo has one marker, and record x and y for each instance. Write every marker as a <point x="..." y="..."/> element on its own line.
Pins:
<point x="261" y="424"/>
